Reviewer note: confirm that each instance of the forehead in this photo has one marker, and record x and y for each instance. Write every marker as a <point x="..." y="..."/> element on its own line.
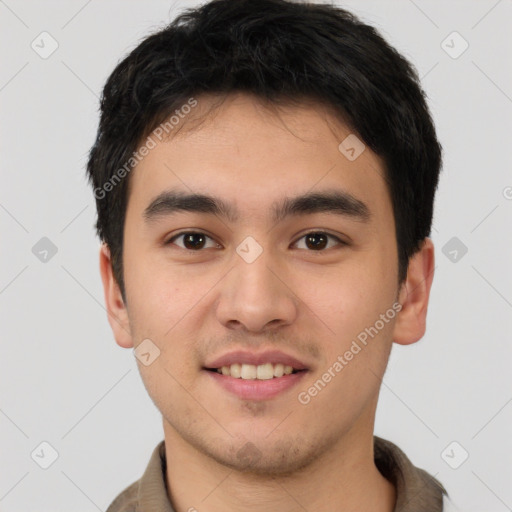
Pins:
<point x="254" y="155"/>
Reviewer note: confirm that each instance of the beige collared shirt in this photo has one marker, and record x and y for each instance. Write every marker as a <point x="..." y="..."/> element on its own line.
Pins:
<point x="416" y="490"/>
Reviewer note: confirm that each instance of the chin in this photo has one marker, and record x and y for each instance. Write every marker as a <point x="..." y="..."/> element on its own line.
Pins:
<point x="261" y="458"/>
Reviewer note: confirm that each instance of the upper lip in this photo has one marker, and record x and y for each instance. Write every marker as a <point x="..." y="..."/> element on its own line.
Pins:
<point x="256" y="358"/>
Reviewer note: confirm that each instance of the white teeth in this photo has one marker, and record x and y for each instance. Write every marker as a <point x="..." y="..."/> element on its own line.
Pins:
<point x="235" y="371"/>
<point x="278" y="370"/>
<point x="249" y="371"/>
<point x="265" y="371"/>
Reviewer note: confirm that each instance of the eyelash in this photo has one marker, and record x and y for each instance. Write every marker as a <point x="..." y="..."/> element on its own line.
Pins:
<point x="170" y="241"/>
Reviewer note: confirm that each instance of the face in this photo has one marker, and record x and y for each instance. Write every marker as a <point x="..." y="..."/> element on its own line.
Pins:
<point x="211" y="290"/>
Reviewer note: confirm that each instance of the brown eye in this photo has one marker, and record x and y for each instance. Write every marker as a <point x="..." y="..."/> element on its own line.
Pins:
<point x="192" y="240"/>
<point x="318" y="240"/>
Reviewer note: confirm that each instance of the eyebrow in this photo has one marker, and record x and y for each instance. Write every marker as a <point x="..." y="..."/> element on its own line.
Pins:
<point x="336" y="202"/>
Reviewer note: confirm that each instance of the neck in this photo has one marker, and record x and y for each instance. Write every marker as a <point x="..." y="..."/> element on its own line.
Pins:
<point x="344" y="478"/>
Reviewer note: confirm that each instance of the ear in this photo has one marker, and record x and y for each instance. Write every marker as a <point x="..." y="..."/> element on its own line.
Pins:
<point x="116" y="309"/>
<point x="414" y="294"/>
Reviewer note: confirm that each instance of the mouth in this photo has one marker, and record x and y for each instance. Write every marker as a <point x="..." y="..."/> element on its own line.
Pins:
<point x="266" y="371"/>
<point x="252" y="376"/>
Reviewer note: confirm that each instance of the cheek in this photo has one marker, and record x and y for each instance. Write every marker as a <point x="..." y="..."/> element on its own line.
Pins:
<point x="356" y="289"/>
<point x="165" y="305"/>
<point x="350" y="302"/>
<point x="154" y="291"/>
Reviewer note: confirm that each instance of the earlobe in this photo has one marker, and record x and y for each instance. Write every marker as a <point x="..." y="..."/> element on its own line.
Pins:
<point x="414" y="294"/>
<point x="116" y="309"/>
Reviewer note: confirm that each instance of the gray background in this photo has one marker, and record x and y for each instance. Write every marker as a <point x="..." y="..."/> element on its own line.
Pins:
<point x="66" y="382"/>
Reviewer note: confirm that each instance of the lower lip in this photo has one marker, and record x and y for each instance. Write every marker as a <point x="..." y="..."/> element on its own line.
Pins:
<point x="257" y="389"/>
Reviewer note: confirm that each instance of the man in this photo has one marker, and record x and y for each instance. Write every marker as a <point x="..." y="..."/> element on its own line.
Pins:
<point x="265" y="174"/>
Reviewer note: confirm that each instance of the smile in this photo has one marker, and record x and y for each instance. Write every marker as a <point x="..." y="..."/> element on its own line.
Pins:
<point x="264" y="371"/>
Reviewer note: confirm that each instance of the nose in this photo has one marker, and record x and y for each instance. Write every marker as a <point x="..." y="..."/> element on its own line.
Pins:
<point x="257" y="296"/>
